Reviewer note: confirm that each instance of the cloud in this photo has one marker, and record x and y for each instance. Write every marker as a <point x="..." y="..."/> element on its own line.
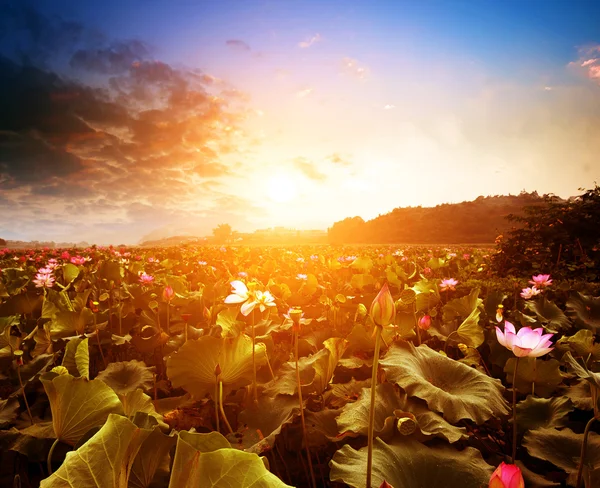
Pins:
<point x="310" y="41"/>
<point x="113" y="59"/>
<point x="309" y="169"/>
<point x="304" y="92"/>
<point x="588" y="62"/>
<point x="339" y="160"/>
<point x="237" y="45"/>
<point x="353" y="68"/>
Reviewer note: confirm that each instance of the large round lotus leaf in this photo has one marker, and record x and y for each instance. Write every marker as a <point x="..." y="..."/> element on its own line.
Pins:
<point x="549" y="314"/>
<point x="545" y="374"/>
<point x="354" y="417"/>
<point x="580" y="393"/>
<point x="193" y="366"/>
<point x="127" y="376"/>
<point x="406" y="463"/>
<point x="585" y="311"/>
<point x="152" y="455"/>
<point x="449" y="387"/>
<point x="202" y="466"/>
<point x="563" y="448"/>
<point x="581" y="345"/>
<point x="461" y="319"/>
<point x="78" y="405"/>
<point x="262" y="422"/>
<point x="534" y="413"/>
<point x="77" y="357"/>
<point x="104" y="460"/>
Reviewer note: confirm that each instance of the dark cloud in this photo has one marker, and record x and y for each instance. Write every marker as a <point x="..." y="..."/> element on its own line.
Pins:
<point x="113" y="59"/>
<point x="238" y="45"/>
<point x="309" y="169"/>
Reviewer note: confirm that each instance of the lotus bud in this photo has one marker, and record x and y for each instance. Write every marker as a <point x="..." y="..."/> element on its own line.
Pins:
<point x="507" y="476"/>
<point x="500" y="313"/>
<point x="361" y="311"/>
<point x="218" y="370"/>
<point x="186" y="317"/>
<point x="168" y="293"/>
<point x="463" y="348"/>
<point x="385" y="484"/>
<point x="424" y="322"/>
<point x="295" y="314"/>
<point x="383" y="309"/>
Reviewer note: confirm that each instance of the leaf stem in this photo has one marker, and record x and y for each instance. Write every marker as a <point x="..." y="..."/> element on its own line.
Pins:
<point x="217" y="402"/>
<point x="222" y="409"/>
<point x="310" y="466"/>
<point x="372" y="407"/>
<point x="49" y="461"/>
<point x="514" y="406"/>
<point x="24" y="396"/>
<point x="254" y="389"/>
<point x="586" y="434"/>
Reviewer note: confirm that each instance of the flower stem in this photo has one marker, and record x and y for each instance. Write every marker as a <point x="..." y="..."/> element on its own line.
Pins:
<point x="24" y="396"/>
<point x="586" y="433"/>
<point x="254" y="389"/>
<point x="310" y="466"/>
<point x="222" y="409"/>
<point x="49" y="461"/>
<point x="372" y="408"/>
<point x="448" y="339"/>
<point x="217" y="403"/>
<point x="514" y="406"/>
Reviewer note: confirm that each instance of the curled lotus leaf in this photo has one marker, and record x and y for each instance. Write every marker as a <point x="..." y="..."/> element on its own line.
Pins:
<point x="545" y="374"/>
<point x="78" y="405"/>
<point x="534" y="413"/>
<point x="193" y="366"/>
<point x="407" y="463"/>
<point x="549" y="314"/>
<point x="127" y="376"/>
<point x="580" y="345"/>
<point x="585" y="311"/>
<point x="447" y="386"/>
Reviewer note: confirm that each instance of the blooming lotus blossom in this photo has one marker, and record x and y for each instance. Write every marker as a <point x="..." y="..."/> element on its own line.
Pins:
<point x="249" y="299"/>
<point x="424" y="322"/>
<point x="52" y="263"/>
<point x="45" y="271"/>
<point x="427" y="270"/>
<point x="314" y="257"/>
<point x="383" y="308"/>
<point x="65" y="255"/>
<point x="528" y="293"/>
<point x="527" y="342"/>
<point x="202" y="263"/>
<point x="146" y="279"/>
<point x="78" y="260"/>
<point x="301" y="277"/>
<point x="448" y="284"/>
<point x="43" y="280"/>
<point x="541" y="280"/>
<point x="243" y="274"/>
<point x="507" y="476"/>
<point x="466" y="256"/>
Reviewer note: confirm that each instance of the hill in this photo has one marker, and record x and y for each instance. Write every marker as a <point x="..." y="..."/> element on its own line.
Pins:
<point x="477" y="221"/>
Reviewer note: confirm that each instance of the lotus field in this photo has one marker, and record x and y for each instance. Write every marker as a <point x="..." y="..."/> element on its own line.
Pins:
<point x="301" y="366"/>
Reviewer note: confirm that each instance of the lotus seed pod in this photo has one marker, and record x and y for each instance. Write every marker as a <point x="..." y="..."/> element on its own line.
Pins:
<point x="406" y="425"/>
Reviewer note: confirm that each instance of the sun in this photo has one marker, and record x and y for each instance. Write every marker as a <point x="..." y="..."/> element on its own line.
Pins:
<point x="281" y="188"/>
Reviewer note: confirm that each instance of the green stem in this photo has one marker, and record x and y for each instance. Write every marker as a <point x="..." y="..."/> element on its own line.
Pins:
<point x="168" y="318"/>
<point x="217" y="402"/>
<point x="24" y="396"/>
<point x="222" y="410"/>
<point x="534" y="376"/>
<point x="310" y="466"/>
<point x="372" y="408"/>
<point x="586" y="433"/>
<point x="254" y="389"/>
<point x="448" y="339"/>
<point x="49" y="461"/>
<point x="514" y="406"/>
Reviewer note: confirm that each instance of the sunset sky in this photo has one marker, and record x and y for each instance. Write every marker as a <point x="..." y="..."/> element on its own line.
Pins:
<point x="124" y="119"/>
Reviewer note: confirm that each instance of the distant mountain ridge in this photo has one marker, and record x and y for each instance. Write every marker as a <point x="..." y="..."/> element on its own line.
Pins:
<point x="477" y="221"/>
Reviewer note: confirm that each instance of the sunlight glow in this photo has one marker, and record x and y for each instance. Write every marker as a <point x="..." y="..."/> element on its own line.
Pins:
<point x="281" y="188"/>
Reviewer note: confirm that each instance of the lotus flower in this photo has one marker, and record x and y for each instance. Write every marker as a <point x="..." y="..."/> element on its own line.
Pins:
<point x="383" y="308"/>
<point x="541" y="280"/>
<point x="78" y="260"/>
<point x="527" y="342"/>
<point x="424" y="322"/>
<point x="250" y="299"/>
<point x="507" y="476"/>
<point x="448" y="284"/>
<point x="528" y="293"/>
<point x="168" y="293"/>
<point x="146" y="279"/>
<point x="43" y="280"/>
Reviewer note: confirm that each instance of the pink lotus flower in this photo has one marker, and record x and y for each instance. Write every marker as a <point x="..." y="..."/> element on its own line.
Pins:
<point x="541" y="280"/>
<point x="44" y="280"/>
<point x="448" y="284"/>
<point x="383" y="308"/>
<point x="45" y="271"/>
<point x="527" y="342"/>
<point x="507" y="476"/>
<point x="528" y="293"/>
<point x="301" y="277"/>
<point x="424" y="322"/>
<point x="78" y="260"/>
<point x="427" y="270"/>
<point x="146" y="279"/>
<point x="168" y="293"/>
<point x="65" y="255"/>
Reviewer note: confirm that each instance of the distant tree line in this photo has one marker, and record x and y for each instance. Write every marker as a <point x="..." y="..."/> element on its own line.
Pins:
<point x="478" y="221"/>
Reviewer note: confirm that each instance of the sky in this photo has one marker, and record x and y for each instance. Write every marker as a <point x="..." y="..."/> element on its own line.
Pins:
<point x="127" y="120"/>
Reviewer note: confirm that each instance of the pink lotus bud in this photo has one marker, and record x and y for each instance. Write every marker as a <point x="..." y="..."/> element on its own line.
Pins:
<point x="383" y="308"/>
<point x="424" y="322"/>
<point x="168" y="293"/>
<point x="507" y="476"/>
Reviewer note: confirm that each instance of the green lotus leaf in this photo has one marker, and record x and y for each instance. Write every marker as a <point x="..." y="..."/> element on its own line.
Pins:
<point x="67" y="323"/>
<point x="78" y="405"/>
<point x="153" y="453"/>
<point x="43" y="341"/>
<point x="137" y="401"/>
<point x="491" y="302"/>
<point x="427" y="295"/>
<point x="563" y="449"/>
<point x="127" y="376"/>
<point x="545" y="374"/>
<point x="110" y="271"/>
<point x="359" y="281"/>
<point x="8" y="342"/>
<point x="355" y="416"/>
<point x="362" y="340"/>
<point x="9" y="410"/>
<point x="343" y="393"/>
<point x="534" y="413"/>
<point x="103" y="461"/>
<point x="34" y="441"/>
<point x="534" y="479"/>
<point x="263" y="422"/>
<point x="584" y="310"/>
<point x="447" y="386"/>
<point x="227" y="320"/>
<point x="406" y="463"/>
<point x="77" y="357"/>
<point x="193" y="366"/>
<point x="70" y="272"/>
<point x="581" y="345"/>
<point x="461" y="319"/>
<point x="198" y="464"/>
<point x="362" y="264"/>
<point x="580" y="393"/>
<point x="549" y="314"/>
